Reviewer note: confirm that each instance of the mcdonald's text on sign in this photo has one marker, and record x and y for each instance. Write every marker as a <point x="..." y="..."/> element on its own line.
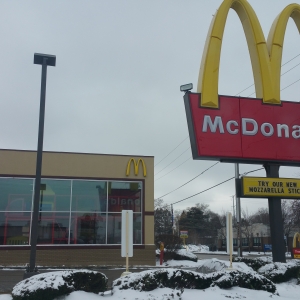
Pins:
<point x="260" y="187"/>
<point x="244" y="130"/>
<point x="257" y="130"/>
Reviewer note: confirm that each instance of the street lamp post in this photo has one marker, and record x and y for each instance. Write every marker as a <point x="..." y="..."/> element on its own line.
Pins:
<point x="44" y="60"/>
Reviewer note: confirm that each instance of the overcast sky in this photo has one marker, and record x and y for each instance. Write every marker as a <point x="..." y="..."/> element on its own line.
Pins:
<point x="115" y="88"/>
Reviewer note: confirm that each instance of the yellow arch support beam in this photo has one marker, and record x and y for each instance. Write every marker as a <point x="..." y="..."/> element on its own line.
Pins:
<point x="266" y="70"/>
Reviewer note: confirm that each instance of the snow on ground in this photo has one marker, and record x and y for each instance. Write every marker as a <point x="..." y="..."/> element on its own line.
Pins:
<point x="287" y="291"/>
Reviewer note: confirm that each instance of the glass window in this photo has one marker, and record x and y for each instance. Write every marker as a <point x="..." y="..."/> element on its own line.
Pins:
<point x="245" y="242"/>
<point x="55" y="195"/>
<point x="137" y="228"/>
<point x="95" y="216"/>
<point x="88" y="228"/>
<point x="14" y="228"/>
<point x="53" y="228"/>
<point x="224" y="242"/>
<point x="114" y="228"/>
<point x="89" y="196"/>
<point x="234" y="242"/>
<point x="124" y="196"/>
<point x="15" y="194"/>
<point x="257" y="241"/>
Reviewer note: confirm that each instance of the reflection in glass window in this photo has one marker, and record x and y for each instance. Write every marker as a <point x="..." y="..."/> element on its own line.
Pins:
<point x="124" y="196"/>
<point x="89" y="195"/>
<point x="55" y="195"/>
<point x="15" y="194"/>
<point x="88" y="228"/>
<point x="114" y="229"/>
<point x="53" y="228"/>
<point x="96" y="207"/>
<point x="14" y="228"/>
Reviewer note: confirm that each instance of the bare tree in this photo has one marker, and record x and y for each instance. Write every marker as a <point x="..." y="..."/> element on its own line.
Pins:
<point x="289" y="217"/>
<point x="247" y="226"/>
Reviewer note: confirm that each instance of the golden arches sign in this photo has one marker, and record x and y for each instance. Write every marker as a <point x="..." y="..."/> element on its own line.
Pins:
<point x="296" y="238"/>
<point x="136" y="166"/>
<point x="265" y="56"/>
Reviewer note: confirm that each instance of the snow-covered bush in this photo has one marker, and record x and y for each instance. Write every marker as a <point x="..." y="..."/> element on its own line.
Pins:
<point x="248" y="280"/>
<point x="254" y="263"/>
<point x="47" y="286"/>
<point x="182" y="279"/>
<point x="281" y="272"/>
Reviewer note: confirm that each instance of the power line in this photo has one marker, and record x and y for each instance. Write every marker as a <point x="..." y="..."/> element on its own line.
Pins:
<point x="204" y="190"/>
<point x="215" y="186"/>
<point x="189" y="180"/>
<point x="290" y="84"/>
<point x="173" y="169"/>
<point x="290" y="60"/>
<point x="171" y="152"/>
<point x="173" y="160"/>
<point x="281" y="75"/>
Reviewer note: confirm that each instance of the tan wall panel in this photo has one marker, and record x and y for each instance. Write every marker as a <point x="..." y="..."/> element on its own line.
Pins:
<point x="78" y="257"/>
<point x="149" y="230"/>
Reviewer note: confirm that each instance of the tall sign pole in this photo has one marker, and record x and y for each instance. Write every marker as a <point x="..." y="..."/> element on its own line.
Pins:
<point x="238" y="214"/>
<point x="44" y="60"/>
<point x="275" y="215"/>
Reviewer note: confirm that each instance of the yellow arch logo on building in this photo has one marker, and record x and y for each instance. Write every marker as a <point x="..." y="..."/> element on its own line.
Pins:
<point x="265" y="56"/>
<point x="136" y="166"/>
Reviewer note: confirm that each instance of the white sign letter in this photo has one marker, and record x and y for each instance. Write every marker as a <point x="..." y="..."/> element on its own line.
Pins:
<point x="213" y="126"/>
<point x="244" y="126"/>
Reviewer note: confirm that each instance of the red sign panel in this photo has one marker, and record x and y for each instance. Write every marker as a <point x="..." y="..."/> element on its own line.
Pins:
<point x="244" y="130"/>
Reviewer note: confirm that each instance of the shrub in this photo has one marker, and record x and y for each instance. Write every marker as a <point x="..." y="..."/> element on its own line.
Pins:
<point x="48" y="286"/>
<point x="281" y="272"/>
<point x="254" y="263"/>
<point x="247" y="280"/>
<point x="180" y="279"/>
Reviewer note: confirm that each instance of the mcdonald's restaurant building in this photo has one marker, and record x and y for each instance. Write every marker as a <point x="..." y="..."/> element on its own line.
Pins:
<point x="82" y="197"/>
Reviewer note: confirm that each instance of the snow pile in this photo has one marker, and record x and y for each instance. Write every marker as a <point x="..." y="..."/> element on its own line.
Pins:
<point x="187" y="254"/>
<point x="199" y="248"/>
<point x="214" y="265"/>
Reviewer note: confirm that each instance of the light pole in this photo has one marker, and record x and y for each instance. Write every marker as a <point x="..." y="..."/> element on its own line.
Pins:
<point x="44" y="60"/>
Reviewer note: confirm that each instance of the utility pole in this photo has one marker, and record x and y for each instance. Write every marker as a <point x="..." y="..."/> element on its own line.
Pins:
<point x="233" y="212"/>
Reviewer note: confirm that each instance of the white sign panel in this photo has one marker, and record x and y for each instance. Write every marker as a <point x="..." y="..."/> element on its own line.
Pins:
<point x="127" y="233"/>
<point x="229" y="238"/>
